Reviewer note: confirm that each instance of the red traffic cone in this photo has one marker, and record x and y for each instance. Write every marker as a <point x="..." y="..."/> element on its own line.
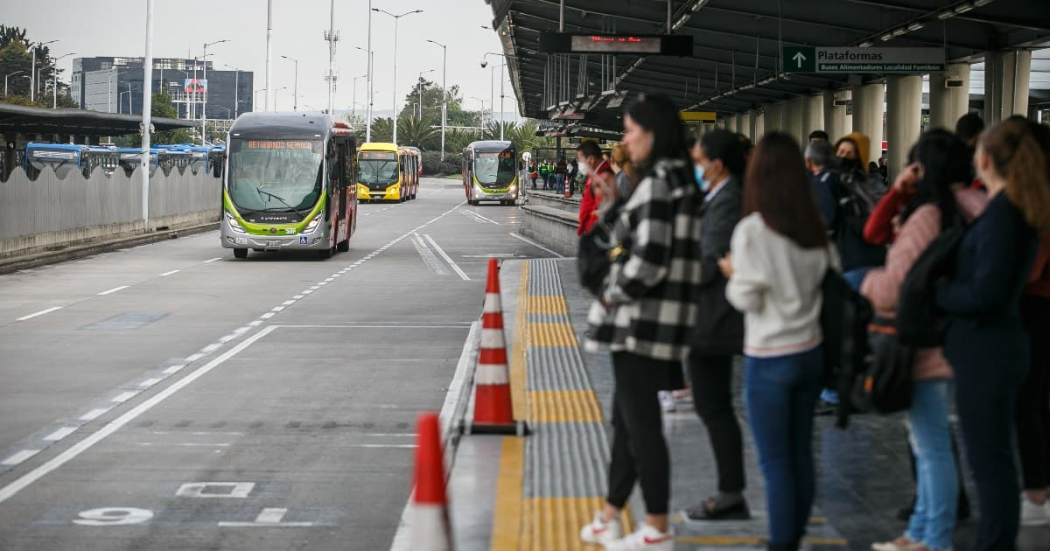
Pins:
<point x="430" y="530"/>
<point x="493" y="411"/>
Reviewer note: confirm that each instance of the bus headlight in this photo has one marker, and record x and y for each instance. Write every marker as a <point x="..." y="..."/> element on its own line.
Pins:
<point x="513" y="189"/>
<point x="314" y="223"/>
<point x="234" y="224"/>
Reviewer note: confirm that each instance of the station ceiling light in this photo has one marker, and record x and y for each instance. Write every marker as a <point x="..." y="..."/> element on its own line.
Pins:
<point x="916" y="26"/>
<point x="886" y="37"/>
<point x="980" y="3"/>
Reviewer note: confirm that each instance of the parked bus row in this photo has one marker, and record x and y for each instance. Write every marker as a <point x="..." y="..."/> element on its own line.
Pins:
<point x="67" y="158"/>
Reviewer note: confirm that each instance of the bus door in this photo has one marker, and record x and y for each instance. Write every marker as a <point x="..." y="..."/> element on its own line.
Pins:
<point x="345" y="188"/>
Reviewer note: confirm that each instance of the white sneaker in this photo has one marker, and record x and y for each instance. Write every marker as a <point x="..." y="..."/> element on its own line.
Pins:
<point x="647" y="538"/>
<point x="1034" y="515"/>
<point x="601" y="532"/>
<point x="667" y="401"/>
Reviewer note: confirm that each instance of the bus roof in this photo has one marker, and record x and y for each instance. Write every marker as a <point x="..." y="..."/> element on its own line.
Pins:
<point x="490" y="145"/>
<point x="379" y="146"/>
<point x="264" y="125"/>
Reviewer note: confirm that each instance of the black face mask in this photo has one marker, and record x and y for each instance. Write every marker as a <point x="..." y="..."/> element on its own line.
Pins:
<point x="848" y="165"/>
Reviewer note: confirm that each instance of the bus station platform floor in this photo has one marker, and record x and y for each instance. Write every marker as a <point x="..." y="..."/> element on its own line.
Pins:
<point x="535" y="492"/>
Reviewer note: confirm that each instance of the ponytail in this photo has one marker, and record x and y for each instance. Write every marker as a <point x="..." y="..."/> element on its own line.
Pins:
<point x="1022" y="161"/>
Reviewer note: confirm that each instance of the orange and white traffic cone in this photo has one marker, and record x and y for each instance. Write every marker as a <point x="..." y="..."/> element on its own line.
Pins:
<point x="493" y="410"/>
<point x="430" y="529"/>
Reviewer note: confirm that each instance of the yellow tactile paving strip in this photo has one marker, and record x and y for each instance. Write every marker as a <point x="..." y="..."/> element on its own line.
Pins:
<point x="507" y="518"/>
<point x="539" y="304"/>
<point x="553" y="523"/>
<point x="754" y="540"/>
<point x="521" y="342"/>
<point x="552" y="334"/>
<point x="564" y="406"/>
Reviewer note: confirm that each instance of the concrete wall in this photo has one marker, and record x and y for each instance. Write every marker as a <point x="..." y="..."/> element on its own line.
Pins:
<point x="53" y="212"/>
<point x="552" y="227"/>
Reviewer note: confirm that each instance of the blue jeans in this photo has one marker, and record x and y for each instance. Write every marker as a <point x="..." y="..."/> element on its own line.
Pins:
<point x="560" y="178"/>
<point x="781" y="393"/>
<point x="933" y="520"/>
<point x="855" y="277"/>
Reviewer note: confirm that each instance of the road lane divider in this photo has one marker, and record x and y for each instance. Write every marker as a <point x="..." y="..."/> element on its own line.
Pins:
<point x="40" y="313"/>
<point x="113" y="290"/>
<point x="535" y="244"/>
<point x="166" y="274"/>
<point x="452" y="263"/>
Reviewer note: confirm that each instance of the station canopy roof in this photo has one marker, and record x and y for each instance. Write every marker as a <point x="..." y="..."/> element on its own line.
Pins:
<point x="34" y="120"/>
<point x="736" y="47"/>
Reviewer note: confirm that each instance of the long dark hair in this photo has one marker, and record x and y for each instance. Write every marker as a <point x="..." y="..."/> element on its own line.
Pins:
<point x="777" y="187"/>
<point x="658" y="115"/>
<point x="945" y="161"/>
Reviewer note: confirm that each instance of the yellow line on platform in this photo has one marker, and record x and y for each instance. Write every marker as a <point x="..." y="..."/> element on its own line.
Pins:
<point x="564" y="406"/>
<point x="548" y="304"/>
<point x="753" y="540"/>
<point x="553" y="523"/>
<point x="552" y="334"/>
<point x="507" y="518"/>
<point x="518" y="367"/>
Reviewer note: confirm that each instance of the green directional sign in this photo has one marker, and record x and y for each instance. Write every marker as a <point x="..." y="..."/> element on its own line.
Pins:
<point x="800" y="59"/>
<point x="906" y="61"/>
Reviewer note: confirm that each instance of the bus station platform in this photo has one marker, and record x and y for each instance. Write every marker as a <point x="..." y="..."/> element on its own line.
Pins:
<point x="535" y="492"/>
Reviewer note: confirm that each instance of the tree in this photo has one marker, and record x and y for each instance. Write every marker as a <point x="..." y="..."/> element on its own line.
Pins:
<point x="161" y="106"/>
<point x="382" y="129"/>
<point x="15" y="56"/>
<point x="523" y="135"/>
<point x="418" y="133"/>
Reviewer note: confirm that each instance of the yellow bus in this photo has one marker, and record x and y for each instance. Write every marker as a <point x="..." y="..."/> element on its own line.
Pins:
<point x="385" y="173"/>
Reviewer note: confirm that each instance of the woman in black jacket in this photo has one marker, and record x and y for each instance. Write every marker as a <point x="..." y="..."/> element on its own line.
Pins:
<point x="986" y="341"/>
<point x="719" y="330"/>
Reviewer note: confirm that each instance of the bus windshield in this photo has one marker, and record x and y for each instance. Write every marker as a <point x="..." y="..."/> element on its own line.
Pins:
<point x="275" y="175"/>
<point x="377" y="167"/>
<point x="494" y="168"/>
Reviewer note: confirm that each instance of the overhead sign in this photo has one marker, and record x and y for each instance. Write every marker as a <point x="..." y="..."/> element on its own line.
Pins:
<point x="633" y="44"/>
<point x="809" y="59"/>
<point x="563" y="116"/>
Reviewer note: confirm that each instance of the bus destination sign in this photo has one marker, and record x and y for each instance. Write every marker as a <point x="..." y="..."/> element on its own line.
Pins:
<point x="612" y="44"/>
<point x="279" y="144"/>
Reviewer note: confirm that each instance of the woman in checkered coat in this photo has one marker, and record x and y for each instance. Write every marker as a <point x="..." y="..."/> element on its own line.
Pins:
<point x="645" y="315"/>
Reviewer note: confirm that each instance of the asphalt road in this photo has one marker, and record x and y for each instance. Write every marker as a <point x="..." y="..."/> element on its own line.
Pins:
<point x="169" y="396"/>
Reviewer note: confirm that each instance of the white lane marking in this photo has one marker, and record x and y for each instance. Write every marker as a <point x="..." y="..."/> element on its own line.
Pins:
<point x="308" y="291"/>
<point x="329" y="280"/>
<point x="447" y="416"/>
<point x="10" y="490"/>
<point x="255" y="323"/>
<point x="211" y="348"/>
<point x="227" y="338"/>
<point x="489" y="220"/>
<point x="267" y="315"/>
<point x="194" y="357"/>
<point x="212" y="260"/>
<point x="288" y="303"/>
<point x="277" y="308"/>
<point x="60" y="434"/>
<point x="124" y="397"/>
<point x="241" y="330"/>
<point x="382" y="446"/>
<point x="93" y="414"/>
<point x="149" y="382"/>
<point x="40" y="313"/>
<point x="230" y="490"/>
<point x="166" y="274"/>
<point x="269" y="518"/>
<point x="298" y="297"/>
<point x="378" y="326"/>
<point x="113" y="290"/>
<point x="534" y="244"/>
<point x="187" y="444"/>
<point x="174" y="369"/>
<point x="19" y="457"/>
<point x="447" y="258"/>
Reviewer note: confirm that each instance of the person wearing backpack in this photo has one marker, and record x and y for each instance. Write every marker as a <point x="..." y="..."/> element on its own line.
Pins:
<point x="779" y="256"/>
<point x="857" y="195"/>
<point x="938" y="176"/>
<point x="718" y="332"/>
<point x="986" y="342"/>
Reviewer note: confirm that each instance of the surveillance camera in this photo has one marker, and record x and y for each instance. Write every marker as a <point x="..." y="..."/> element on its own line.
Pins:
<point x="484" y="64"/>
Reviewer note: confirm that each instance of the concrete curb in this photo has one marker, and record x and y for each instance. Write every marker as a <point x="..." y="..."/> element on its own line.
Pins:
<point x="81" y="251"/>
<point x="551" y="227"/>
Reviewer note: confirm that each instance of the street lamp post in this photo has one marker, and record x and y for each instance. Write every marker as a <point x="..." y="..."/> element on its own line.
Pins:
<point x="419" y="90"/>
<point x="255" y="97"/>
<point x="394" y="93"/>
<point x="275" y="90"/>
<point x="295" y="103"/>
<point x="32" y="71"/>
<point x="444" y="95"/>
<point x="369" y="83"/>
<point x="120" y="102"/>
<point x="204" y="106"/>
<point x="54" y="81"/>
<point x="9" y="75"/>
<point x="502" y="65"/>
<point x="353" y="100"/>
<point x="237" y="89"/>
<point x="482" y="112"/>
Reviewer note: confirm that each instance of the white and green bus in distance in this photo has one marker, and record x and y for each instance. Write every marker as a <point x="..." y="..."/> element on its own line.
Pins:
<point x="490" y="172"/>
<point x="289" y="184"/>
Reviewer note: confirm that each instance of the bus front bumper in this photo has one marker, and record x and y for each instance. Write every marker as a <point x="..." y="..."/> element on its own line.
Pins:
<point x="390" y="194"/>
<point x="481" y="194"/>
<point x="279" y="240"/>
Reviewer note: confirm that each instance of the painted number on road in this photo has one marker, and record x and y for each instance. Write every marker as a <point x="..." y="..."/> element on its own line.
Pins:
<point x="113" y="516"/>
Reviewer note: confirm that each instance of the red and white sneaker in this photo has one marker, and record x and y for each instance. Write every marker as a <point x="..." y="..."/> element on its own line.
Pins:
<point x="601" y="532"/>
<point x="647" y="538"/>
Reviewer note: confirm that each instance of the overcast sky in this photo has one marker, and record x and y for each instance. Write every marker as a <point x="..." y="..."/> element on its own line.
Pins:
<point x="117" y="28"/>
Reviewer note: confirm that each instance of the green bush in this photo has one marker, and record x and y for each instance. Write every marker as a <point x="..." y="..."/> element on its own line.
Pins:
<point x="433" y="165"/>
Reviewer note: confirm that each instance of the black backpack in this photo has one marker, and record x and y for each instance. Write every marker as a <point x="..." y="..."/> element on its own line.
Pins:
<point x="856" y="195"/>
<point x="844" y="319"/>
<point x="919" y="321"/>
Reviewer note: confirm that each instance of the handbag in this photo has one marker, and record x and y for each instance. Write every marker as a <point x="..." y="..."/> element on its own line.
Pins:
<point x="595" y="256"/>
<point x="886" y="387"/>
<point x="844" y="319"/>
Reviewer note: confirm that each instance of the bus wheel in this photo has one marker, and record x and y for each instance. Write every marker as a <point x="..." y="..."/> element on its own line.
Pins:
<point x="474" y="203"/>
<point x="343" y="247"/>
<point x="240" y="253"/>
<point x="325" y="254"/>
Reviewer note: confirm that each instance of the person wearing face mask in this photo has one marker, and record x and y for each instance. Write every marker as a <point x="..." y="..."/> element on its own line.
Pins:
<point x="856" y="196"/>
<point x="718" y="333"/>
<point x="591" y="165"/>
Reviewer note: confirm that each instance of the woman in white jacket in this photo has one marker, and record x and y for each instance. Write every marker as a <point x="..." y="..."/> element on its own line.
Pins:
<point x="779" y="255"/>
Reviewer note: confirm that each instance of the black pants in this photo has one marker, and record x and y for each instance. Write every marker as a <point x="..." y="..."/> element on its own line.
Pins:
<point x="639" y="451"/>
<point x="712" y="378"/>
<point x="1033" y="402"/>
<point x="986" y="397"/>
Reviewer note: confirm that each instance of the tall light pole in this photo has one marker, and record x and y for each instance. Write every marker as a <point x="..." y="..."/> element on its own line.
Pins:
<point x="368" y="83"/>
<point x="32" y="70"/>
<point x="353" y="100"/>
<point x="332" y="37"/>
<point x="147" y="107"/>
<point x="275" y="90"/>
<point x="394" y="94"/>
<point x="419" y="90"/>
<point x="10" y="75"/>
<point x="54" y="81"/>
<point x="502" y="65"/>
<point x="255" y="96"/>
<point x="269" y="51"/>
<point x="204" y="106"/>
<point x="295" y="104"/>
<point x="444" y="94"/>
<point x="482" y="122"/>
<point x="237" y="89"/>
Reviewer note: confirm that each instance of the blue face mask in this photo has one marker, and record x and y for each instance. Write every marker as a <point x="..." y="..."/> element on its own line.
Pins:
<point x="698" y="173"/>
